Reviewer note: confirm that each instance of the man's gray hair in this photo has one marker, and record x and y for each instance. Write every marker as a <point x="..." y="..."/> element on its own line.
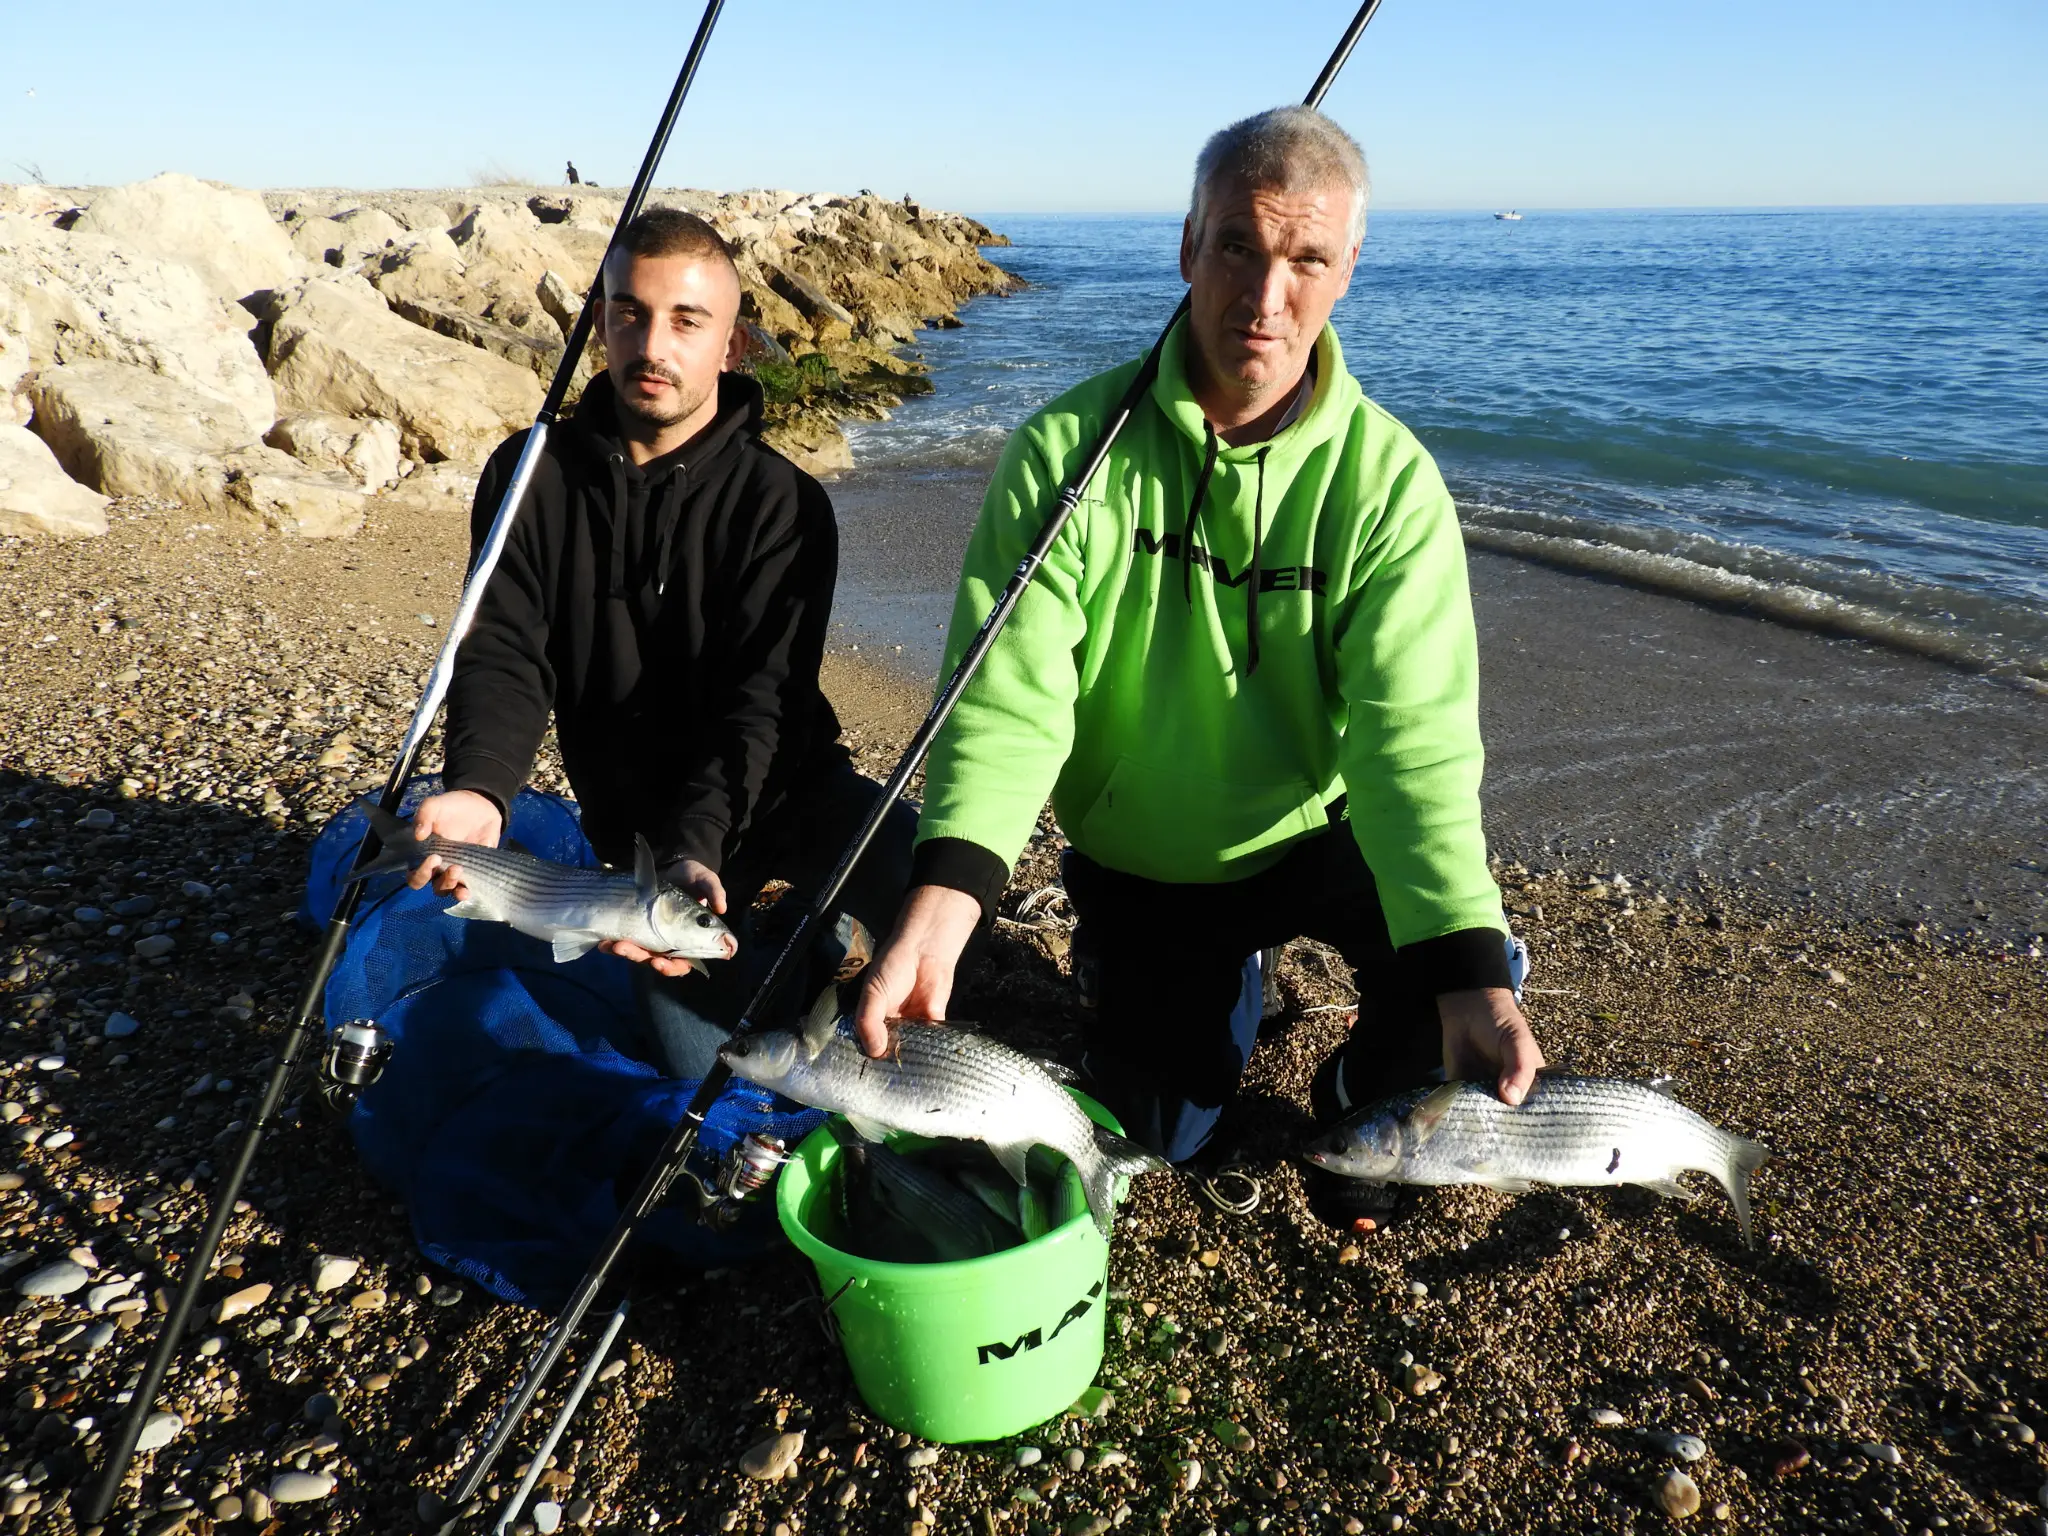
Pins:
<point x="1293" y="149"/>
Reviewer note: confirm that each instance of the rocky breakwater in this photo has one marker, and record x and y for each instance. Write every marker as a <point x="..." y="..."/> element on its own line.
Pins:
<point x="295" y="361"/>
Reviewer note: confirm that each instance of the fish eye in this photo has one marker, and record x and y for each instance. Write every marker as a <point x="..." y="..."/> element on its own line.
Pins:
<point x="705" y="919"/>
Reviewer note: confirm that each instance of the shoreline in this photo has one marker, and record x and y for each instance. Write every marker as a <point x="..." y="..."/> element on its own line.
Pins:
<point x="1630" y="729"/>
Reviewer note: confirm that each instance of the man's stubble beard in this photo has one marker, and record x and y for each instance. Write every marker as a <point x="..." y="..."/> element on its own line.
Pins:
<point x="686" y="404"/>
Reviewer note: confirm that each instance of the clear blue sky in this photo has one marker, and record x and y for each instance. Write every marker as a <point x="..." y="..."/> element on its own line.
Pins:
<point x="1057" y="104"/>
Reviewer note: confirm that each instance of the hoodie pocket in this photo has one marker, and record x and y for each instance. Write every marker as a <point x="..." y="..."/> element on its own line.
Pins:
<point x="1168" y="825"/>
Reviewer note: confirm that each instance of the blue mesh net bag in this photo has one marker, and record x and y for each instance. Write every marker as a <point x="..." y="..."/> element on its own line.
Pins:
<point x="517" y="1111"/>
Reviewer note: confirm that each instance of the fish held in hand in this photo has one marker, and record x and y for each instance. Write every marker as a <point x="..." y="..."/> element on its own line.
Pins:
<point x="1569" y="1131"/>
<point x="944" y="1082"/>
<point x="572" y="908"/>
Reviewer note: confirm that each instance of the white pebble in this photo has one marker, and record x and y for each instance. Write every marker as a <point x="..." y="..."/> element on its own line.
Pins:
<point x="300" y="1487"/>
<point x="331" y="1271"/>
<point x="1607" y="1418"/>
<point x="158" y="1431"/>
<point x="547" y="1517"/>
<point x="1027" y="1456"/>
<point x="58" y="1279"/>
<point x="1878" y="1451"/>
<point x="1684" y="1447"/>
<point x="59" y="1139"/>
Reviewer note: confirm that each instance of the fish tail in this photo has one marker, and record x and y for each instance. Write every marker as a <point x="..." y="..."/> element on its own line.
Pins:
<point x="398" y="849"/>
<point x="1115" y="1158"/>
<point x="1744" y="1158"/>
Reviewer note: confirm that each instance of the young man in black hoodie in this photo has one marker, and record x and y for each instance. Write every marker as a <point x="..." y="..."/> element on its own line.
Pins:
<point x="665" y="594"/>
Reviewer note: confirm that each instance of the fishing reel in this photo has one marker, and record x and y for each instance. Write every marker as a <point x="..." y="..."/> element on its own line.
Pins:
<point x="746" y="1169"/>
<point x="356" y="1056"/>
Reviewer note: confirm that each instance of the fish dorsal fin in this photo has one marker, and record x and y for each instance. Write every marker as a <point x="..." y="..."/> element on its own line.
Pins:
<point x="1427" y="1118"/>
<point x="1666" y="1085"/>
<point x="645" y="876"/>
<point x="1058" y="1071"/>
<point x="821" y="1023"/>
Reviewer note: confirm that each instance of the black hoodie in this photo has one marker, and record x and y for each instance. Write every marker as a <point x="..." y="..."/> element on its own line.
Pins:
<point x="671" y="616"/>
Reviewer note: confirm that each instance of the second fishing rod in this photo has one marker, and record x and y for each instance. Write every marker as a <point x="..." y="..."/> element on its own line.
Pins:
<point x="670" y="1163"/>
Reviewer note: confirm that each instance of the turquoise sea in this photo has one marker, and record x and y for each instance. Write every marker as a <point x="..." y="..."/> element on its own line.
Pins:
<point x="1838" y="416"/>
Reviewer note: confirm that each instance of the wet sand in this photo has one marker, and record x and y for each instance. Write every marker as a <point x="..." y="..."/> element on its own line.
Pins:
<point x="1632" y="731"/>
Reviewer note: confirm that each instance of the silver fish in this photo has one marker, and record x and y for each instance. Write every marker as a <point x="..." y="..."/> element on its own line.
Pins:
<point x="571" y="908"/>
<point x="1569" y="1131"/>
<point x="956" y="1223"/>
<point x="938" y="1081"/>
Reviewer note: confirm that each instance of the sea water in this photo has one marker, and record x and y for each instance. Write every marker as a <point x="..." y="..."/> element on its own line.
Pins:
<point x="1839" y="416"/>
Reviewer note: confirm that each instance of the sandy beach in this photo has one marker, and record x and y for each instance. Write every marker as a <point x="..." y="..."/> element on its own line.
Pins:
<point x="1876" y="1363"/>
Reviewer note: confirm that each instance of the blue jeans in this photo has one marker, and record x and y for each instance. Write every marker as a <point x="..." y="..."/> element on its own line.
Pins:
<point x="689" y="1017"/>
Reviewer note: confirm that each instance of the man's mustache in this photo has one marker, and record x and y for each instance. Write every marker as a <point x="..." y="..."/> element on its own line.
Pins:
<point x="655" y="371"/>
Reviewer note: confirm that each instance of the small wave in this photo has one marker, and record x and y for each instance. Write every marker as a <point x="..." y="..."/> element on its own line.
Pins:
<point x="1786" y="602"/>
<point x="938" y="445"/>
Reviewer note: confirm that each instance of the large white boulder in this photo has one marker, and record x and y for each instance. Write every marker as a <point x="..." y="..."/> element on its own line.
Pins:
<point x="334" y="350"/>
<point x="130" y="432"/>
<point x="365" y="451"/>
<point x="69" y="297"/>
<point x="225" y="234"/>
<point x="37" y="497"/>
<point x="367" y="229"/>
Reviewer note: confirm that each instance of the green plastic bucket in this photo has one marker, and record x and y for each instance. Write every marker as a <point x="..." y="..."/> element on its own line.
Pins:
<point x="974" y="1350"/>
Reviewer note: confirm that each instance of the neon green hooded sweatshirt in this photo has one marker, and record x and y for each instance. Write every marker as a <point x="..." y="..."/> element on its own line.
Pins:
<point x="1220" y="643"/>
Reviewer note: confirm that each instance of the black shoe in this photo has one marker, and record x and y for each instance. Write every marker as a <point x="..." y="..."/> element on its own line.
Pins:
<point x="1354" y="1205"/>
<point x="1333" y="1095"/>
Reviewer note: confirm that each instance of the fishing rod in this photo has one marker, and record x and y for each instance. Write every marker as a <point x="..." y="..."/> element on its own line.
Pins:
<point x="669" y="1163"/>
<point x="352" y="1054"/>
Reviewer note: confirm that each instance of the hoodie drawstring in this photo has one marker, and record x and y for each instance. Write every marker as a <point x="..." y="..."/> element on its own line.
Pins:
<point x="1187" y="538"/>
<point x="1251" y="585"/>
<point x="671" y="515"/>
<point x="616" y="462"/>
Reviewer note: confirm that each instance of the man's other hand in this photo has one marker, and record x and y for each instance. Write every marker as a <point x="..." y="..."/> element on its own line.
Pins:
<point x="668" y="965"/>
<point x="1486" y="1038"/>
<point x="701" y="881"/>
<point x="461" y="816"/>
<point x="912" y="977"/>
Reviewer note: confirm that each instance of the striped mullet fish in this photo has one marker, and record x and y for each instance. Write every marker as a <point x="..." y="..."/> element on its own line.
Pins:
<point x="1569" y="1131"/>
<point x="572" y="908"/>
<point x="943" y="1082"/>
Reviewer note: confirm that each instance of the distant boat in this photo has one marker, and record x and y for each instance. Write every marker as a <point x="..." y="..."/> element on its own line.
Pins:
<point x="1511" y="216"/>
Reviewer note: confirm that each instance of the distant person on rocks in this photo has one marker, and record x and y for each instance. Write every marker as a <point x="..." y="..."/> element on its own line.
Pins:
<point x="1247" y="677"/>
<point x="574" y="179"/>
<point x="665" y="594"/>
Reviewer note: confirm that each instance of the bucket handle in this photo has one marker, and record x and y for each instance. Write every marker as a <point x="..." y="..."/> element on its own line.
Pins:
<point x="827" y="1323"/>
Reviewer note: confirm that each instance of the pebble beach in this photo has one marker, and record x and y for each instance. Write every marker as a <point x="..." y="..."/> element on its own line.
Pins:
<point x="184" y="710"/>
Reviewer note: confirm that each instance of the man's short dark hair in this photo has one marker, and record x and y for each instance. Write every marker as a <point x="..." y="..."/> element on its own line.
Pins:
<point x="672" y="232"/>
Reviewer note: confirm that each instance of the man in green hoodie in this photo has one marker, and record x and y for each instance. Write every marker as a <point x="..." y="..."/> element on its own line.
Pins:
<point x="1247" y="676"/>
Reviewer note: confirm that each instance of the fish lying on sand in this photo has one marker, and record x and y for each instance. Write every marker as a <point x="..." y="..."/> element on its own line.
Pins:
<point x="572" y="908"/>
<point x="1569" y="1131"/>
<point x="944" y="1082"/>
